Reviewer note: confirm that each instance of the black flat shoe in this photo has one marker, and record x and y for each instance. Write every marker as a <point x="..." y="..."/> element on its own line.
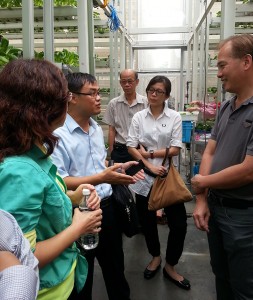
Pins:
<point x="148" y="274"/>
<point x="184" y="284"/>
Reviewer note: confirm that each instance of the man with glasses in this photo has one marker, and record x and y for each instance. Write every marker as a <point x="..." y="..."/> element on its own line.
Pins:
<point x="81" y="158"/>
<point x="119" y="113"/>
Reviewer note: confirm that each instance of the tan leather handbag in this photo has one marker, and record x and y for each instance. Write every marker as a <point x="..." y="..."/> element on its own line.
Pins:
<point x="169" y="189"/>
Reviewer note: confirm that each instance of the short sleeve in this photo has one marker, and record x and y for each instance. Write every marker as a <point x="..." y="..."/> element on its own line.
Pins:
<point x="134" y="131"/>
<point x="109" y="114"/>
<point x="22" y="191"/>
<point x="61" y="158"/>
<point x="176" y="136"/>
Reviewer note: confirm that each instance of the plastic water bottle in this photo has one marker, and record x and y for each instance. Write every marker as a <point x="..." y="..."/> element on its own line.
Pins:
<point x="90" y="240"/>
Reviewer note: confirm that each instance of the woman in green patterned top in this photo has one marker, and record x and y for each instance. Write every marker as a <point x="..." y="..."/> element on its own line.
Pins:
<point x="33" y="103"/>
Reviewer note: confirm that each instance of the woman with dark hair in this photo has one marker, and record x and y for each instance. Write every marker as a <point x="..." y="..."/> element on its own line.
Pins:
<point x="34" y="99"/>
<point x="154" y="129"/>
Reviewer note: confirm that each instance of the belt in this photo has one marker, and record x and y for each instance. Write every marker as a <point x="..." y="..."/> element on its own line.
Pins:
<point x="230" y="202"/>
<point x="105" y="202"/>
<point x="119" y="146"/>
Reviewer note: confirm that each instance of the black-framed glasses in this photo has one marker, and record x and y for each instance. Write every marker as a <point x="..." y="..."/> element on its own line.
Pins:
<point x="129" y="81"/>
<point x="157" y="92"/>
<point x="92" y="94"/>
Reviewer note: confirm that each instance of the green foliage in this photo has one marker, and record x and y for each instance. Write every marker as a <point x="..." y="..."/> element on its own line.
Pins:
<point x="204" y="126"/>
<point x="212" y="89"/>
<point x="101" y="29"/>
<point x="18" y="3"/>
<point x="10" y="3"/>
<point x="7" y="52"/>
<point x="67" y="57"/>
<point x="105" y="90"/>
<point x="39" y="55"/>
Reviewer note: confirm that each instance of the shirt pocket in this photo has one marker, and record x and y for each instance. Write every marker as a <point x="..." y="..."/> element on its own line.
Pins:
<point x="57" y="211"/>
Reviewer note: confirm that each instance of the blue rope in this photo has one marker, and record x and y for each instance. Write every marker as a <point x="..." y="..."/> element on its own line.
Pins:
<point x="114" y="21"/>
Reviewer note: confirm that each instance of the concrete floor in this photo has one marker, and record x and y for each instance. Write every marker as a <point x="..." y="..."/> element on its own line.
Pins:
<point x="194" y="265"/>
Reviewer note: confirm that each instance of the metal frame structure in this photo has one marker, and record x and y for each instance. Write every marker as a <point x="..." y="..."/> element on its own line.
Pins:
<point x="124" y="43"/>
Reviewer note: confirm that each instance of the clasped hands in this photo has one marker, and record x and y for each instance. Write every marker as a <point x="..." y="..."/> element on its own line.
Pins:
<point x="197" y="184"/>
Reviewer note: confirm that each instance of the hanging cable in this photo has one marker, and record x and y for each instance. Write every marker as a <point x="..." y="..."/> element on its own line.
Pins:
<point x="114" y="21"/>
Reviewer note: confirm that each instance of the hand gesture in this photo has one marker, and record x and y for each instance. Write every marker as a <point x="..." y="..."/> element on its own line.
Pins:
<point x="115" y="174"/>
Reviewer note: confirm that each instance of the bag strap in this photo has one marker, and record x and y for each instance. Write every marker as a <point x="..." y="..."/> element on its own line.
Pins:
<point x="166" y="156"/>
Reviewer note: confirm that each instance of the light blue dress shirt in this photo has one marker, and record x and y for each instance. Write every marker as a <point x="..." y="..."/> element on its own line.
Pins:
<point x="81" y="153"/>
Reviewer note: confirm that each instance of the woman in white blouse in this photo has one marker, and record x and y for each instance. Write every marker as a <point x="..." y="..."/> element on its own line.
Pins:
<point x="152" y="131"/>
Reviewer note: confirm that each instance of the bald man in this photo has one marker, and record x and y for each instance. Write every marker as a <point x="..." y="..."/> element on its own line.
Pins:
<point x="119" y="113"/>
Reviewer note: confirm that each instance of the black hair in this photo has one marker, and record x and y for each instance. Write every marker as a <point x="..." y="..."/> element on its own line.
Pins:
<point x="164" y="80"/>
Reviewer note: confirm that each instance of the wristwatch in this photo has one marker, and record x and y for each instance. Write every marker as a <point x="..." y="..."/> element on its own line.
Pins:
<point x="151" y="153"/>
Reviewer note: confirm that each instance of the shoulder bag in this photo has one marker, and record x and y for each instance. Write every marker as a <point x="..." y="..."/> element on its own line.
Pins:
<point x="169" y="189"/>
<point x="125" y="209"/>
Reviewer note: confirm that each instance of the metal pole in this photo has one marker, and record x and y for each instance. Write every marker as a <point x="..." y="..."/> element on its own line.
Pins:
<point x="28" y="28"/>
<point x="82" y="15"/>
<point x="48" y="24"/>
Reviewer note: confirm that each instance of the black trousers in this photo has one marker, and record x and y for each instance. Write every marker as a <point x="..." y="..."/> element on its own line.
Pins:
<point x="176" y="217"/>
<point x="120" y="153"/>
<point x="110" y="256"/>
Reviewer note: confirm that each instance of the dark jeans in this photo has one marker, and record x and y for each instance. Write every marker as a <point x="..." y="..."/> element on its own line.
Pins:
<point x="176" y="216"/>
<point x="120" y="154"/>
<point x="230" y="240"/>
<point x="110" y="256"/>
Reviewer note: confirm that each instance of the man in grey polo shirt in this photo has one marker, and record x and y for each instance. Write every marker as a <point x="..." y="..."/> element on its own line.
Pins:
<point x="224" y="187"/>
<point x="119" y="113"/>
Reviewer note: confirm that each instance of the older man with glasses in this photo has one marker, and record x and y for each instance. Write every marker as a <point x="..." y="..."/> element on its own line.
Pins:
<point x="119" y="113"/>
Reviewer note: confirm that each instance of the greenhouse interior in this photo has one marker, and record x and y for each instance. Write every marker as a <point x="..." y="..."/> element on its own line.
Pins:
<point x="178" y="40"/>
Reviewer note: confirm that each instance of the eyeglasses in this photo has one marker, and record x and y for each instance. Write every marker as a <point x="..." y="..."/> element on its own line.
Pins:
<point x="93" y="94"/>
<point x="157" y="92"/>
<point x="129" y="81"/>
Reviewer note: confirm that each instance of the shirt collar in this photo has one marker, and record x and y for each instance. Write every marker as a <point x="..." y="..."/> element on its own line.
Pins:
<point x="166" y="110"/>
<point x="72" y="124"/>
<point x="139" y="98"/>
<point x="38" y="156"/>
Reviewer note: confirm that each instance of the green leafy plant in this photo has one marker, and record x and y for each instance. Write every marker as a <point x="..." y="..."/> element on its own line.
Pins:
<point x="105" y="90"/>
<point x="204" y="126"/>
<point x="212" y="89"/>
<point x="18" y="3"/>
<point x="7" y="52"/>
<point x="67" y="57"/>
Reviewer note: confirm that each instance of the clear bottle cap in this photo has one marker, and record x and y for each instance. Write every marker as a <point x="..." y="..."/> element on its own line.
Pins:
<point x="86" y="192"/>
